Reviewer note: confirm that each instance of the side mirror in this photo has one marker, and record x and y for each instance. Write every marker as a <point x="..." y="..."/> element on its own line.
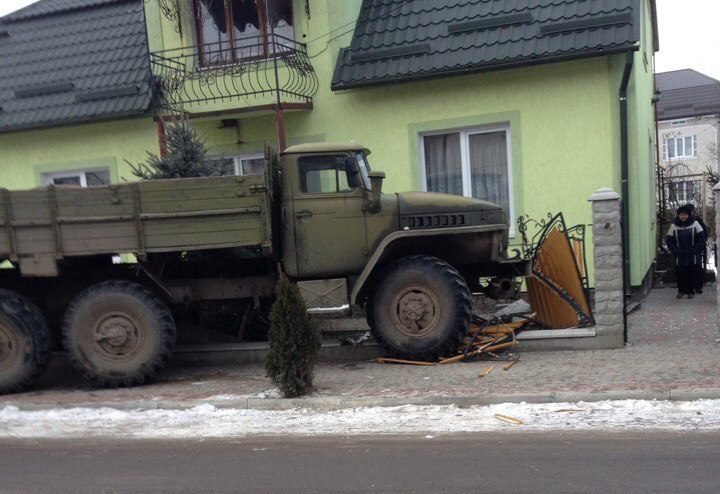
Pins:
<point x="376" y="181"/>
<point x="351" y="166"/>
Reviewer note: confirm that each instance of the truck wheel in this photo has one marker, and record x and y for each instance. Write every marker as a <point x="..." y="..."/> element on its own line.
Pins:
<point x="118" y="333"/>
<point x="24" y="342"/>
<point x="421" y="309"/>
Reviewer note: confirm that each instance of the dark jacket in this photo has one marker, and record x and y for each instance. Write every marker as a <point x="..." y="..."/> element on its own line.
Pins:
<point x="687" y="241"/>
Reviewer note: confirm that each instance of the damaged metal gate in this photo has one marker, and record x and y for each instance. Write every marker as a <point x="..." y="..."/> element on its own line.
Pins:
<point x="558" y="288"/>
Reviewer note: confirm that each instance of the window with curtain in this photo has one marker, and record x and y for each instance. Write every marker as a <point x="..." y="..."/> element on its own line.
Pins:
<point x="238" y="30"/>
<point x="471" y="163"/>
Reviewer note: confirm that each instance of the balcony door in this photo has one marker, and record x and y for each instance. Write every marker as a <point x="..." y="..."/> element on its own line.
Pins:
<point x="231" y="31"/>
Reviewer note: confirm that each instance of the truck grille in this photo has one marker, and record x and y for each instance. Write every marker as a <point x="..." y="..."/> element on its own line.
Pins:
<point x="432" y="221"/>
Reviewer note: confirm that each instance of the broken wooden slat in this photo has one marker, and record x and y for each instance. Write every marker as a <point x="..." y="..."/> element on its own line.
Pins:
<point x="486" y="371"/>
<point x="499" y="347"/>
<point x="507" y="366"/>
<point x="507" y="328"/>
<point x="458" y="358"/>
<point x="508" y="419"/>
<point x="386" y="360"/>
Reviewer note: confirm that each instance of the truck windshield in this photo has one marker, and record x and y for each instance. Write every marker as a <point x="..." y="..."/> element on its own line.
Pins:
<point x="364" y="167"/>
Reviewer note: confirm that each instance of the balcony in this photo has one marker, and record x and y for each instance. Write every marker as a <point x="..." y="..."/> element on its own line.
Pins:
<point x="247" y="74"/>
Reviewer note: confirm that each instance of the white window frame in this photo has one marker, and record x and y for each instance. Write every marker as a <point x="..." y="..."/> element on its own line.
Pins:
<point x="238" y="159"/>
<point x="246" y="156"/>
<point x="48" y="177"/>
<point x="465" y="133"/>
<point x="684" y="156"/>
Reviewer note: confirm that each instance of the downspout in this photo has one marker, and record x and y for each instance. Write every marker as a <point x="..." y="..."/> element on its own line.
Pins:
<point x="162" y="136"/>
<point x="624" y="173"/>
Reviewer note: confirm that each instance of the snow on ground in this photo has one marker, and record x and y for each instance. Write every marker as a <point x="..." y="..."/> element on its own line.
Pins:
<point x="209" y="421"/>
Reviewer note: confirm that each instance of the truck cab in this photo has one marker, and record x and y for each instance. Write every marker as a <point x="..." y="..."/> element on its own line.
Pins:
<point x="337" y="222"/>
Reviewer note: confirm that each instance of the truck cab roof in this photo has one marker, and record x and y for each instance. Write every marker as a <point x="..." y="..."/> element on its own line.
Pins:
<point x="325" y="147"/>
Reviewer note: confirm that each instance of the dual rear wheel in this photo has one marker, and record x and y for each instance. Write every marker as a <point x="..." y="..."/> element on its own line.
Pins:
<point x="24" y="342"/>
<point x="118" y="333"/>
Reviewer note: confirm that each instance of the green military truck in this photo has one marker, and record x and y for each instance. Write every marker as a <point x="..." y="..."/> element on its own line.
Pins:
<point x="410" y="259"/>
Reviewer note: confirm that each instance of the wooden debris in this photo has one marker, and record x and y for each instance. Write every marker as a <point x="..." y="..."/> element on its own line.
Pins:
<point x="567" y="410"/>
<point x="486" y="371"/>
<point x="483" y="341"/>
<point x="508" y="419"/>
<point x="499" y="347"/>
<point x="458" y="358"/>
<point x="508" y="365"/>
<point x="505" y="328"/>
<point x="386" y="360"/>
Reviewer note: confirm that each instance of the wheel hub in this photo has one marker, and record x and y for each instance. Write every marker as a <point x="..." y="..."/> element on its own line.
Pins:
<point x="416" y="311"/>
<point x="117" y="334"/>
<point x="9" y="347"/>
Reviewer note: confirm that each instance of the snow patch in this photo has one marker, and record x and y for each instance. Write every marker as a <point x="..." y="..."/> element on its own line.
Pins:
<point x="209" y="421"/>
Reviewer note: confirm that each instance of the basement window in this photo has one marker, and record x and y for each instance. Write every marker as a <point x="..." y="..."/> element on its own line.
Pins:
<point x="78" y="178"/>
<point x="470" y="162"/>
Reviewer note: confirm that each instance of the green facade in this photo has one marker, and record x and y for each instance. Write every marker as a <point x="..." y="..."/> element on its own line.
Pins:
<point x="563" y="120"/>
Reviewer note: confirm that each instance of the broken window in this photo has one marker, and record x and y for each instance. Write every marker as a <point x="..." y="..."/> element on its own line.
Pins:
<point x="240" y="30"/>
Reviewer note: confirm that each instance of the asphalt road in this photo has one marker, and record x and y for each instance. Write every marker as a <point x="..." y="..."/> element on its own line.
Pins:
<point x="488" y="463"/>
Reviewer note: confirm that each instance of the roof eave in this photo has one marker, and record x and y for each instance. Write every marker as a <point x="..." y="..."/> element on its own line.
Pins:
<point x="77" y="121"/>
<point x="667" y="118"/>
<point x="487" y="68"/>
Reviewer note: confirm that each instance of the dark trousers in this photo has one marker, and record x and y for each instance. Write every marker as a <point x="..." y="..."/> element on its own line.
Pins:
<point x="686" y="278"/>
<point x="699" y="278"/>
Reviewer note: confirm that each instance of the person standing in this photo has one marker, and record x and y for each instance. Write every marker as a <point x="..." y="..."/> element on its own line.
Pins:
<point x="686" y="240"/>
<point x="700" y="270"/>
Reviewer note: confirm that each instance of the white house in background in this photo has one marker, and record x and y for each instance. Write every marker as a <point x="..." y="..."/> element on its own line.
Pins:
<point x="688" y="114"/>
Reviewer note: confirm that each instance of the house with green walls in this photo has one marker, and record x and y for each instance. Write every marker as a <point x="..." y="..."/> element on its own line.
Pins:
<point x="533" y="104"/>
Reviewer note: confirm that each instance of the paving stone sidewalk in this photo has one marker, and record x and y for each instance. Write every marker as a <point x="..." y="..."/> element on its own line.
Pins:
<point x="673" y="352"/>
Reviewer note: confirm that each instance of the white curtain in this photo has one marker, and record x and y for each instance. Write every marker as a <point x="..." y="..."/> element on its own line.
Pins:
<point x="489" y="168"/>
<point x="443" y="163"/>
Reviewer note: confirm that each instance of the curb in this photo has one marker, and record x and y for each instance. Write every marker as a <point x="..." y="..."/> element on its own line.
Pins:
<point x="328" y="403"/>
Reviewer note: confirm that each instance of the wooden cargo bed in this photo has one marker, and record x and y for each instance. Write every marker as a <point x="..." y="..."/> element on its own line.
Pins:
<point x="40" y="226"/>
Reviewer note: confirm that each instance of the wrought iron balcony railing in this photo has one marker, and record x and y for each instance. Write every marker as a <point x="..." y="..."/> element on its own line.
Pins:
<point x="254" y="71"/>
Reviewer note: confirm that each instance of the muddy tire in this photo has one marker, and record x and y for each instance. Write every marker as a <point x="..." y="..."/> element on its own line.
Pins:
<point x="24" y="342"/>
<point x="118" y="333"/>
<point x="421" y="308"/>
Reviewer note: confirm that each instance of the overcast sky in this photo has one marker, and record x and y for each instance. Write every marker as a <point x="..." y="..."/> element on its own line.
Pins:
<point x="689" y="34"/>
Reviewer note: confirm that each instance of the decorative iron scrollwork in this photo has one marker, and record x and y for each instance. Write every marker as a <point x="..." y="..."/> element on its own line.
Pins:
<point x="170" y="9"/>
<point x="532" y="243"/>
<point x="253" y="68"/>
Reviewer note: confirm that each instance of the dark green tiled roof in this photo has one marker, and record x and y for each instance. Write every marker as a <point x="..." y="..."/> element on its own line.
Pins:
<point x="73" y="61"/>
<point x="403" y="40"/>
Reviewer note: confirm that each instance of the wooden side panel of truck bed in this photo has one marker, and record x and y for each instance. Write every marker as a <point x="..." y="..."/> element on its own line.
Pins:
<point x="40" y="226"/>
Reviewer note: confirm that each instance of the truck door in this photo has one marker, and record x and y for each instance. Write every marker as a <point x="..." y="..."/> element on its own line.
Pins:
<point x="328" y="216"/>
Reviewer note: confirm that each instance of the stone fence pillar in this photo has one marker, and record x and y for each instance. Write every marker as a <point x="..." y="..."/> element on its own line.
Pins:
<point x="608" y="262"/>
<point x="716" y="196"/>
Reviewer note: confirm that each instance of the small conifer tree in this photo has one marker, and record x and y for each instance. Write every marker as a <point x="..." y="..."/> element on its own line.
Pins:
<point x="185" y="158"/>
<point x="294" y="339"/>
